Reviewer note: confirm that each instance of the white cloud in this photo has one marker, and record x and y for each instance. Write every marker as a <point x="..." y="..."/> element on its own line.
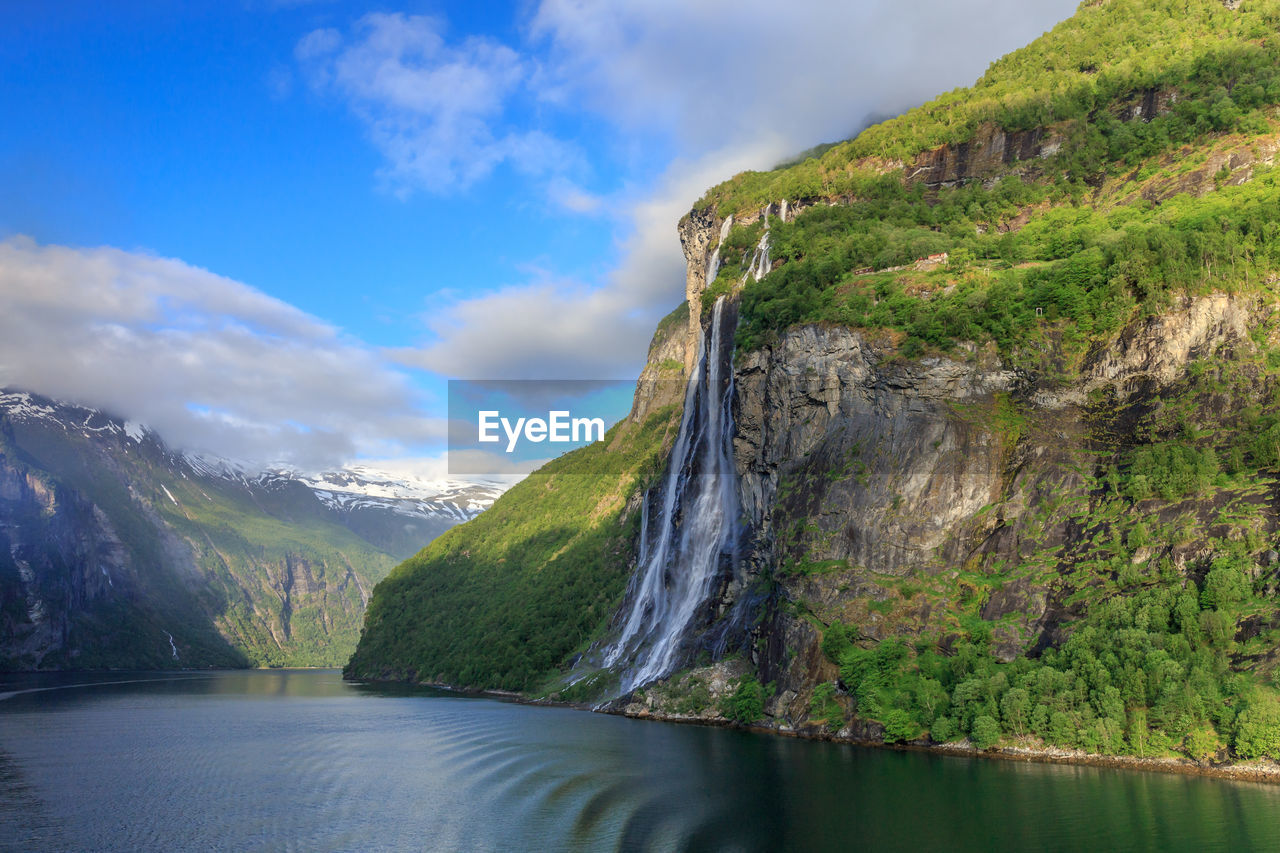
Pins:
<point x="210" y="363"/>
<point x="434" y="110"/>
<point x="572" y="330"/>
<point x="573" y="198"/>
<point x="720" y="71"/>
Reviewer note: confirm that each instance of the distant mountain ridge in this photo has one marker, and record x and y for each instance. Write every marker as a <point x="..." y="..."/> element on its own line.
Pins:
<point x="363" y="497"/>
<point x="118" y="551"/>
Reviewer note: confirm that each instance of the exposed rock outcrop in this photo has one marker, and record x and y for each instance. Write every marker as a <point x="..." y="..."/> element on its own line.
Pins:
<point x="699" y="237"/>
<point x="990" y="152"/>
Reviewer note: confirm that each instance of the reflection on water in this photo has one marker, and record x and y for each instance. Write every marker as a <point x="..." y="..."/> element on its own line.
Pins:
<point x="299" y="760"/>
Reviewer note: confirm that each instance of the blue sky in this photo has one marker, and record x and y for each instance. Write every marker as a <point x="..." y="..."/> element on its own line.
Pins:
<point x="197" y="136"/>
<point x="274" y="228"/>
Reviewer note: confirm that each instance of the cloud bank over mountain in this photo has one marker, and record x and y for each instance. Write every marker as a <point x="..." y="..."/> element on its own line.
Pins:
<point x="209" y="362"/>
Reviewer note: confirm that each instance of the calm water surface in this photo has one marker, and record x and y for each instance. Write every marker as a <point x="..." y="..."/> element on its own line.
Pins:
<point x="302" y="761"/>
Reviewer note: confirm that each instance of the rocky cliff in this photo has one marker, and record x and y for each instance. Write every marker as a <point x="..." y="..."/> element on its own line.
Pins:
<point x="876" y="486"/>
<point x="58" y="555"/>
<point x="76" y="591"/>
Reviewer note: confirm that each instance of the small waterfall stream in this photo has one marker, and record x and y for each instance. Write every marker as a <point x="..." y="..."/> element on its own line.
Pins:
<point x="695" y="537"/>
<point x="713" y="263"/>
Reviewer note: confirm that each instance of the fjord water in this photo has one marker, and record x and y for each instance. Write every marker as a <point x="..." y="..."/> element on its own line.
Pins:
<point x="300" y="760"/>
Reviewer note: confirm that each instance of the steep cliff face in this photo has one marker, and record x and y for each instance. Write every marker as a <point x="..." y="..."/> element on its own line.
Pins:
<point x="865" y="475"/>
<point x="78" y="591"/>
<point x="699" y="238"/>
<point x="58" y="556"/>
<point x="991" y="152"/>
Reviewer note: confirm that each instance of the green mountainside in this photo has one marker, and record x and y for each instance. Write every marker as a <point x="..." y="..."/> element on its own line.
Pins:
<point x="1007" y="425"/>
<point x="116" y="553"/>
<point x="501" y="601"/>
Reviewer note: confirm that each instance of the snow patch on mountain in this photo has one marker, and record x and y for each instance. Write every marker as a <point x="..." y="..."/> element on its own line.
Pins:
<point x="358" y="486"/>
<point x="347" y="489"/>
<point x="26" y="407"/>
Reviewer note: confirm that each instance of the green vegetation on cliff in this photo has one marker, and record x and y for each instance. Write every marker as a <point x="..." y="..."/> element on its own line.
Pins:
<point x="1219" y="68"/>
<point x="1164" y="580"/>
<point x="292" y="589"/>
<point x="1127" y="104"/>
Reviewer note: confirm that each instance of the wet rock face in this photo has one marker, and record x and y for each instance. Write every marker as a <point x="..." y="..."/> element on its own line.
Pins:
<point x="58" y="555"/>
<point x="869" y="451"/>
<point x="990" y="152"/>
<point x="863" y="475"/>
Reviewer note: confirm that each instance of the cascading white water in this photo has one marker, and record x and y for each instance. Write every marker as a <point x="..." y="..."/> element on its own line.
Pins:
<point x="760" y="263"/>
<point x="713" y="263"/>
<point x="697" y="525"/>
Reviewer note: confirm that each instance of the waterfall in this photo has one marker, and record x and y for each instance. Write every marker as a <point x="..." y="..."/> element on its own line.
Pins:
<point x="760" y="263"/>
<point x="696" y="533"/>
<point x="713" y="263"/>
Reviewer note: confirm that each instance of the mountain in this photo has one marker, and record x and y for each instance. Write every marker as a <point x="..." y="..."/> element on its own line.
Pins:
<point x="117" y="551"/>
<point x="980" y="438"/>
<point x="399" y="513"/>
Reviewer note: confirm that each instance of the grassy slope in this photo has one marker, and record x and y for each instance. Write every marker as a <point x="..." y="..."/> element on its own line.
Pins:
<point x="249" y="555"/>
<point x="1222" y="63"/>
<point x="1095" y="245"/>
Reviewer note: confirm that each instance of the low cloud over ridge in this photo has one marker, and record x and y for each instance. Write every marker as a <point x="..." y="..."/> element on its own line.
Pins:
<point x="210" y="363"/>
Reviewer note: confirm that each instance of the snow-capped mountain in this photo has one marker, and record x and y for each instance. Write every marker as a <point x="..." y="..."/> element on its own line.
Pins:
<point x="356" y="487"/>
<point x="25" y="407"/>
<point x="359" y="486"/>
<point x="366" y="499"/>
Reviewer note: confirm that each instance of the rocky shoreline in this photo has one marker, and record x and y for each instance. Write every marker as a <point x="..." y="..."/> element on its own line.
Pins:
<point x="1252" y="771"/>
